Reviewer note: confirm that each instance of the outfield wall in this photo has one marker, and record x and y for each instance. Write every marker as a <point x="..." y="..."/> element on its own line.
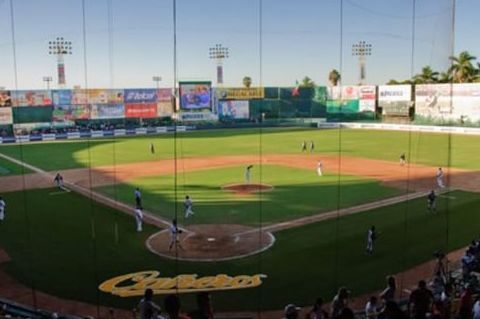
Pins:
<point x="404" y="127"/>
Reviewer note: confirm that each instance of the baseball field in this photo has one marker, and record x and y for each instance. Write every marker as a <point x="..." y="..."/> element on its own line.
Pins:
<point x="305" y="232"/>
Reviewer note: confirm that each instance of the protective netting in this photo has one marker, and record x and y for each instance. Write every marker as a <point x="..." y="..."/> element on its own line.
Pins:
<point x="233" y="130"/>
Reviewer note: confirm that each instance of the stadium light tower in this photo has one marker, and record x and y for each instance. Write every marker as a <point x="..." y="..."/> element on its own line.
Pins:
<point x="219" y="53"/>
<point x="157" y="79"/>
<point x="60" y="47"/>
<point x="47" y="79"/>
<point x="362" y="49"/>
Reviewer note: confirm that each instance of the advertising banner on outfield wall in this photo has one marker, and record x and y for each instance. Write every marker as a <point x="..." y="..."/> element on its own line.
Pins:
<point x="197" y="116"/>
<point x="448" y="102"/>
<point x="79" y="96"/>
<point x="140" y="95"/>
<point x="367" y="96"/>
<point x="164" y="95"/>
<point x="240" y="93"/>
<point x="31" y="98"/>
<point x="62" y="113"/>
<point x="195" y="95"/>
<point x="141" y="110"/>
<point x="164" y="109"/>
<point x="5" y="99"/>
<point x="97" y="96"/>
<point x="62" y="97"/>
<point x="233" y="109"/>
<point x="395" y="100"/>
<point x="342" y="99"/>
<point x="6" y="116"/>
<point x="115" y="96"/>
<point x="107" y="111"/>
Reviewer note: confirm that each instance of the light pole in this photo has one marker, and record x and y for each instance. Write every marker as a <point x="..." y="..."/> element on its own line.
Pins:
<point x="219" y="53"/>
<point x="157" y="80"/>
<point x="48" y="79"/>
<point x="362" y="50"/>
<point x="59" y="47"/>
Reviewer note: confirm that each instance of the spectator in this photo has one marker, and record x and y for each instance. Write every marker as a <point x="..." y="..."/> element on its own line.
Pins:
<point x="466" y="304"/>
<point x="446" y="298"/>
<point x="291" y="311"/>
<point x="317" y="311"/>
<point x="172" y="307"/>
<point x="476" y="308"/>
<point x="371" y="311"/>
<point x="388" y="294"/>
<point x="148" y="309"/>
<point x="438" y="311"/>
<point x="204" y="306"/>
<point x="467" y="263"/>
<point x="346" y="313"/>
<point x="339" y="302"/>
<point x="420" y="301"/>
<point x="393" y="311"/>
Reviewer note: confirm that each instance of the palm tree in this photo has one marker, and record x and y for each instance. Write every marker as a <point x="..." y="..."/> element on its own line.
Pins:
<point x="307" y="83"/>
<point x="444" y="77"/>
<point x="247" y="81"/>
<point x="462" y="69"/>
<point x="334" y="77"/>
<point x="427" y="76"/>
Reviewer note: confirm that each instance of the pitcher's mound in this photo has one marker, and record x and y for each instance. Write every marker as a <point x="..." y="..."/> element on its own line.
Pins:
<point x="212" y="242"/>
<point x="247" y="188"/>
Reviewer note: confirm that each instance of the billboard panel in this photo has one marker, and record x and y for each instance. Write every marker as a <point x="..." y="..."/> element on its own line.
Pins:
<point x="140" y="95"/>
<point x="233" y="109"/>
<point x="32" y="114"/>
<point x="195" y="95"/>
<point x="62" y="113"/>
<point x="367" y="96"/>
<point x="6" y="116"/>
<point x="448" y="102"/>
<point x="62" y="97"/>
<point x="79" y="96"/>
<point x="107" y="111"/>
<point x="342" y="99"/>
<point x="5" y="99"/>
<point x="164" y="95"/>
<point x="164" y="109"/>
<point x="97" y="96"/>
<point x="240" y="93"/>
<point x="115" y="96"/>
<point x="31" y="98"/>
<point x="141" y="110"/>
<point x="395" y="100"/>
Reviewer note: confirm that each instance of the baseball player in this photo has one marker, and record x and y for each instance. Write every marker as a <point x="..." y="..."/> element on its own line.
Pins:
<point x="432" y="201"/>
<point x="139" y="218"/>
<point x="403" y="159"/>
<point x="311" y="146"/>
<point x="138" y="197"/>
<point x="187" y="204"/>
<point x="319" y="168"/>
<point x="248" y="173"/>
<point x="371" y="237"/>
<point x="304" y="146"/>
<point x="58" y="180"/>
<point x="2" y="208"/>
<point x="152" y="148"/>
<point x="174" y="235"/>
<point x="440" y="178"/>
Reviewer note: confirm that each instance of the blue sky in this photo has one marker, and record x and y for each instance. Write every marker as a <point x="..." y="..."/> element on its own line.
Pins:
<point x="300" y="37"/>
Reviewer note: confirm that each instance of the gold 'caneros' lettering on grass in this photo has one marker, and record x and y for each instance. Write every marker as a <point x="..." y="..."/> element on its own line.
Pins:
<point x="134" y="284"/>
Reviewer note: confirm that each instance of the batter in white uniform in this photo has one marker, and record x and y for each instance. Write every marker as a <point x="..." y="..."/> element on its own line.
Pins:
<point x="2" y="208"/>
<point x="139" y="218"/>
<point x="440" y="178"/>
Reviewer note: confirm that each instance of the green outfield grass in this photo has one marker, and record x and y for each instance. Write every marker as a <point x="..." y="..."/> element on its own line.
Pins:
<point x="8" y="168"/>
<point x="423" y="148"/>
<point x="296" y="193"/>
<point x="49" y="237"/>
